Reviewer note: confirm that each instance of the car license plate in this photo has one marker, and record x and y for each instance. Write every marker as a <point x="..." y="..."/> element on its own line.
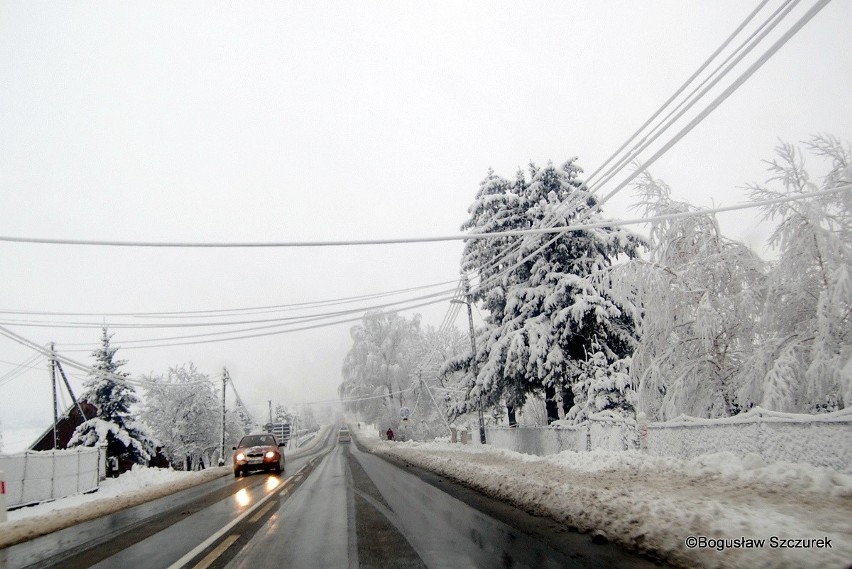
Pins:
<point x="255" y="460"/>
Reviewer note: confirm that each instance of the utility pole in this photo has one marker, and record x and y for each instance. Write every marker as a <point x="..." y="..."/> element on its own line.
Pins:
<point x="53" y="386"/>
<point x="270" y="412"/>
<point x="468" y="302"/>
<point x="83" y="417"/>
<point x="225" y="379"/>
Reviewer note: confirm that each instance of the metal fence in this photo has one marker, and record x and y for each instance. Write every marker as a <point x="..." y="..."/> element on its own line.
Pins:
<point x="37" y="476"/>
<point x="820" y="440"/>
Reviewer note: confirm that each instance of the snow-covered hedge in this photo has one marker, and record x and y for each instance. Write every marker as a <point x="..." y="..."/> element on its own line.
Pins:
<point x="820" y="440"/>
<point x="35" y="476"/>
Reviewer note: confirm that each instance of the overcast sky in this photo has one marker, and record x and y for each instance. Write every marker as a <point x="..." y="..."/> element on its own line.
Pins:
<point x="295" y="121"/>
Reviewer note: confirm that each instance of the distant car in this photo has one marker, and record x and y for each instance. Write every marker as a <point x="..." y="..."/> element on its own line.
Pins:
<point x="258" y="452"/>
<point x="343" y="436"/>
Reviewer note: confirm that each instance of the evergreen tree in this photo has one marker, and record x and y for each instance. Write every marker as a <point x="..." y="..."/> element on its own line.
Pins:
<point x="115" y="424"/>
<point x="547" y="316"/>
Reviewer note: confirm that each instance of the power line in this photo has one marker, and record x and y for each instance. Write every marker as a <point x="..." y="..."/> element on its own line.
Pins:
<point x="113" y="377"/>
<point x="652" y="219"/>
<point x="635" y="152"/>
<point x="277" y="332"/>
<point x="20" y="369"/>
<point x="551" y="216"/>
<point x="682" y="88"/>
<point x="303" y="318"/>
<point x="724" y="95"/>
<point x="222" y="311"/>
<point x="443" y="296"/>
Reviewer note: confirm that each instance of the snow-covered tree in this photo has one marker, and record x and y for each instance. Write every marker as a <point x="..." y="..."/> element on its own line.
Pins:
<point x="695" y="297"/>
<point x="115" y="424"/>
<point x="282" y="415"/>
<point x="432" y="397"/>
<point x="721" y="330"/>
<point x="183" y="410"/>
<point x="803" y="364"/>
<point x="309" y="419"/>
<point x="546" y="317"/>
<point x="379" y="365"/>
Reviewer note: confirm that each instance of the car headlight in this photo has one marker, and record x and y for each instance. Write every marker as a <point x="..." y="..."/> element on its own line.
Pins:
<point x="270" y="454"/>
<point x="240" y="456"/>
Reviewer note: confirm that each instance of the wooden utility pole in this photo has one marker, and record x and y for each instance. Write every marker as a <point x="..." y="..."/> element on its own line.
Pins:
<point x="53" y="387"/>
<point x="468" y="301"/>
<point x="83" y="417"/>
<point x="225" y="379"/>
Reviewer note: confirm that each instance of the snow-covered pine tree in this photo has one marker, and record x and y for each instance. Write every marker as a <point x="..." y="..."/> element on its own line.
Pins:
<point x="115" y="423"/>
<point x="546" y="314"/>
<point x="498" y="206"/>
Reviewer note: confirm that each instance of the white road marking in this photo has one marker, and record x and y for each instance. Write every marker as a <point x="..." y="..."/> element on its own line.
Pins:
<point x="212" y="539"/>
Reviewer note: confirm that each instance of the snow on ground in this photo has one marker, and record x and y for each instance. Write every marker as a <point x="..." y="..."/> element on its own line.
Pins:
<point x="132" y="488"/>
<point x="648" y="504"/>
<point x="652" y="504"/>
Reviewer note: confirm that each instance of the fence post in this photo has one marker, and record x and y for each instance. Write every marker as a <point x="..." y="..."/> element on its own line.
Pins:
<point x="642" y="423"/>
<point x="24" y="477"/>
<point x="53" y="474"/>
<point x="2" y="497"/>
<point x="102" y="448"/>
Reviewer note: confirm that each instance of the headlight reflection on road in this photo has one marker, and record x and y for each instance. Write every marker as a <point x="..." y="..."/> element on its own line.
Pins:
<point x="272" y="483"/>
<point x="243" y="498"/>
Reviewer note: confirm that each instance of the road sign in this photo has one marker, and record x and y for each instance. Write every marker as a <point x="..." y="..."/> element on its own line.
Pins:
<point x="280" y="430"/>
<point x="404" y="413"/>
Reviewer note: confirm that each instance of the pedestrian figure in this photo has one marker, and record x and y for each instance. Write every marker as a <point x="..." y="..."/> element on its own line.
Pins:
<point x="390" y="434"/>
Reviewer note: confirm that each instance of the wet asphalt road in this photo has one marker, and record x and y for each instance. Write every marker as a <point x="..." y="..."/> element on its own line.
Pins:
<point x="338" y="507"/>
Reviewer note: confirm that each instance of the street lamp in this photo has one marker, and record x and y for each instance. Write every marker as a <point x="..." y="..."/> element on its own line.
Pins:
<point x="467" y="301"/>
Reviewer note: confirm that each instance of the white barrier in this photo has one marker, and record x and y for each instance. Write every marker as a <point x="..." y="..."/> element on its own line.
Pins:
<point x="36" y="476"/>
<point x="820" y="440"/>
<point x="540" y="441"/>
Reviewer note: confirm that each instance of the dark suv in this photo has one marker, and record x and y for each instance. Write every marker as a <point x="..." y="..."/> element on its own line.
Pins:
<point x="258" y="452"/>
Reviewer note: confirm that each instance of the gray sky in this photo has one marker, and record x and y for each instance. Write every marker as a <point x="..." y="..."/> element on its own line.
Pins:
<point x="332" y="121"/>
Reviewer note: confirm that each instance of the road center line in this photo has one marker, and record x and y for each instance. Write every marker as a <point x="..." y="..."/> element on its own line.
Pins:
<point x="212" y="539"/>
<point x="214" y="555"/>
<point x="261" y="513"/>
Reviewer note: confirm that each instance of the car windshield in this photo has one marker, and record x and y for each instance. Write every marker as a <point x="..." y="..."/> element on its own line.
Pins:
<point x="257" y="441"/>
